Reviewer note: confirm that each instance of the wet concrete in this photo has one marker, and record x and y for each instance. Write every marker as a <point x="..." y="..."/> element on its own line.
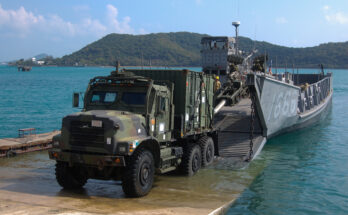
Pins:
<point x="28" y="186"/>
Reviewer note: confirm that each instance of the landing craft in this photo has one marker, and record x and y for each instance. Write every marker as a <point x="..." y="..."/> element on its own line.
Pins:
<point x="277" y="103"/>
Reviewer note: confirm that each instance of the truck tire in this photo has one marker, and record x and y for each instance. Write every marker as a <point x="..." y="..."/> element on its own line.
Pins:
<point x="207" y="146"/>
<point x="70" y="177"/>
<point x="139" y="175"/>
<point x="192" y="160"/>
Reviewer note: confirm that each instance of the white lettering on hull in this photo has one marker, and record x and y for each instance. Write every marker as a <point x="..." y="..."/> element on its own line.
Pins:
<point x="284" y="105"/>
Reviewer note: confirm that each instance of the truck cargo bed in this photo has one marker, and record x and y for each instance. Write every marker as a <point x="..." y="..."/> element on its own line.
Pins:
<point x="192" y="98"/>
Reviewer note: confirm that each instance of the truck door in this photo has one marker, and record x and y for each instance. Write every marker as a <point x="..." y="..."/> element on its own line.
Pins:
<point x="162" y="127"/>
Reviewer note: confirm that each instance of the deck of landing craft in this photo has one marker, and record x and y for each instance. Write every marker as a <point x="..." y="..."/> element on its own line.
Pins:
<point x="234" y="128"/>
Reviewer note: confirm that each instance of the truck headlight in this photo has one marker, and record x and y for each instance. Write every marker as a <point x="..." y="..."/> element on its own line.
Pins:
<point x="133" y="145"/>
<point x="122" y="147"/>
<point x="56" y="143"/>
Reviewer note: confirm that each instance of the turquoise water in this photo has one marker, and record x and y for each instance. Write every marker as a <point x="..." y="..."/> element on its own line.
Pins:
<point x="40" y="98"/>
<point x="304" y="172"/>
<point x="307" y="170"/>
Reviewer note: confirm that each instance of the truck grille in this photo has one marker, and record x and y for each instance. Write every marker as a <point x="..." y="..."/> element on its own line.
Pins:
<point x="83" y="134"/>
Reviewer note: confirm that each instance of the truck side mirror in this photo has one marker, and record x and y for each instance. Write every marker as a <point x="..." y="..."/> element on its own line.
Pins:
<point x="76" y="99"/>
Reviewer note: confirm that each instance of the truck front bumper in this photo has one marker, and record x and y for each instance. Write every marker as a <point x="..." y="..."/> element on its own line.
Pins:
<point x="87" y="159"/>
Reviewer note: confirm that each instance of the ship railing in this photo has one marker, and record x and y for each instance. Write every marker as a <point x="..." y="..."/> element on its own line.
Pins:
<point x="313" y="95"/>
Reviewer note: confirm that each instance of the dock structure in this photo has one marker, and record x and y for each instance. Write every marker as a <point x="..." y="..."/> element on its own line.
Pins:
<point x="26" y="132"/>
<point x="26" y="142"/>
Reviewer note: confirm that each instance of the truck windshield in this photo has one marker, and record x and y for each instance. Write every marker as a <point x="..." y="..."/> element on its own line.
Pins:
<point x="134" y="98"/>
<point x="123" y="99"/>
<point x="102" y="97"/>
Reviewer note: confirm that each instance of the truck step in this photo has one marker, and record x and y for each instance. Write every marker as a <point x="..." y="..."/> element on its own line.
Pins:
<point x="162" y="171"/>
<point x="168" y="158"/>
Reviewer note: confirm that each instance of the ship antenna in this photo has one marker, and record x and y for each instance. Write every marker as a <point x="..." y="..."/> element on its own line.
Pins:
<point x="236" y="25"/>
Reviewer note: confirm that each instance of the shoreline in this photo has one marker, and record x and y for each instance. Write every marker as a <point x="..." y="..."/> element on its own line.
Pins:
<point x="28" y="185"/>
<point x="169" y="67"/>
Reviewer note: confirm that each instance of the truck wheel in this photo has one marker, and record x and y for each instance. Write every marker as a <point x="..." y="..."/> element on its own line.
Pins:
<point x="139" y="175"/>
<point x="208" y="150"/>
<point x="70" y="177"/>
<point x="192" y="160"/>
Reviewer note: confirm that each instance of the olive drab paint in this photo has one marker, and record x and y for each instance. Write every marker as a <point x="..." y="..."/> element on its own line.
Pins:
<point x="130" y="114"/>
<point x="192" y="97"/>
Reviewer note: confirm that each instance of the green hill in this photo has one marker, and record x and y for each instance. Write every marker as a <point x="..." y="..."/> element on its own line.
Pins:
<point x="166" y="49"/>
<point x="183" y="49"/>
<point x="333" y="55"/>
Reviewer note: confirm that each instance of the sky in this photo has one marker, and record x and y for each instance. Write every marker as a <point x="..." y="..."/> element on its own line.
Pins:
<point x="60" y="27"/>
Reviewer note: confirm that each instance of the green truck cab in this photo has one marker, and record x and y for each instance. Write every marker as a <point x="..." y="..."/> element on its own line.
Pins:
<point x="135" y="123"/>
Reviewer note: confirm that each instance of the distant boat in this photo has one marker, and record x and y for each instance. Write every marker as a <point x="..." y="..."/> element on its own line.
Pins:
<point x="24" y="68"/>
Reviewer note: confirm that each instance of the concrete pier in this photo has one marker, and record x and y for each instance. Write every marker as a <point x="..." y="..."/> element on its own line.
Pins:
<point x="28" y="186"/>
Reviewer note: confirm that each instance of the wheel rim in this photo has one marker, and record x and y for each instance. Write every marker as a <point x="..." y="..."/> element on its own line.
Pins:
<point x="209" y="153"/>
<point x="195" y="162"/>
<point x="144" y="174"/>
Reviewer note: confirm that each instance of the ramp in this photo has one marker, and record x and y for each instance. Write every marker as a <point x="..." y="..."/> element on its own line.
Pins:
<point x="233" y="125"/>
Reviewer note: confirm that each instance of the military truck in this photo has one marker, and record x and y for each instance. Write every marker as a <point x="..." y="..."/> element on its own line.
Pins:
<point x="135" y="123"/>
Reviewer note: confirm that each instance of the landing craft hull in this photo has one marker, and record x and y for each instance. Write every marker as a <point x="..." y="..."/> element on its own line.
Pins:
<point x="278" y="103"/>
<point x="311" y="119"/>
<point x="280" y="106"/>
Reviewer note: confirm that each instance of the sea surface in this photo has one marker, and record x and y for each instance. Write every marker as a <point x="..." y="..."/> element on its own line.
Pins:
<point x="307" y="170"/>
<point x="302" y="172"/>
<point x="40" y="98"/>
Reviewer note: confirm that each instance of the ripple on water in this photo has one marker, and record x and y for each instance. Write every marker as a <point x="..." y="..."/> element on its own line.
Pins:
<point x="304" y="172"/>
<point x="307" y="172"/>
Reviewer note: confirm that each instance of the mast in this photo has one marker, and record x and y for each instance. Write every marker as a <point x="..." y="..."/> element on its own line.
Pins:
<point x="236" y="25"/>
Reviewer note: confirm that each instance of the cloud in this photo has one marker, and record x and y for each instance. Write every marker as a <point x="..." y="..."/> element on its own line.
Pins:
<point x="94" y="26"/>
<point x="198" y="2"/>
<point x="281" y="20"/>
<point x="23" y="23"/>
<point x="338" y="17"/>
<point x="334" y="17"/>
<point x="116" y="25"/>
<point x="59" y="25"/>
<point x="326" y="7"/>
<point x="18" y="20"/>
